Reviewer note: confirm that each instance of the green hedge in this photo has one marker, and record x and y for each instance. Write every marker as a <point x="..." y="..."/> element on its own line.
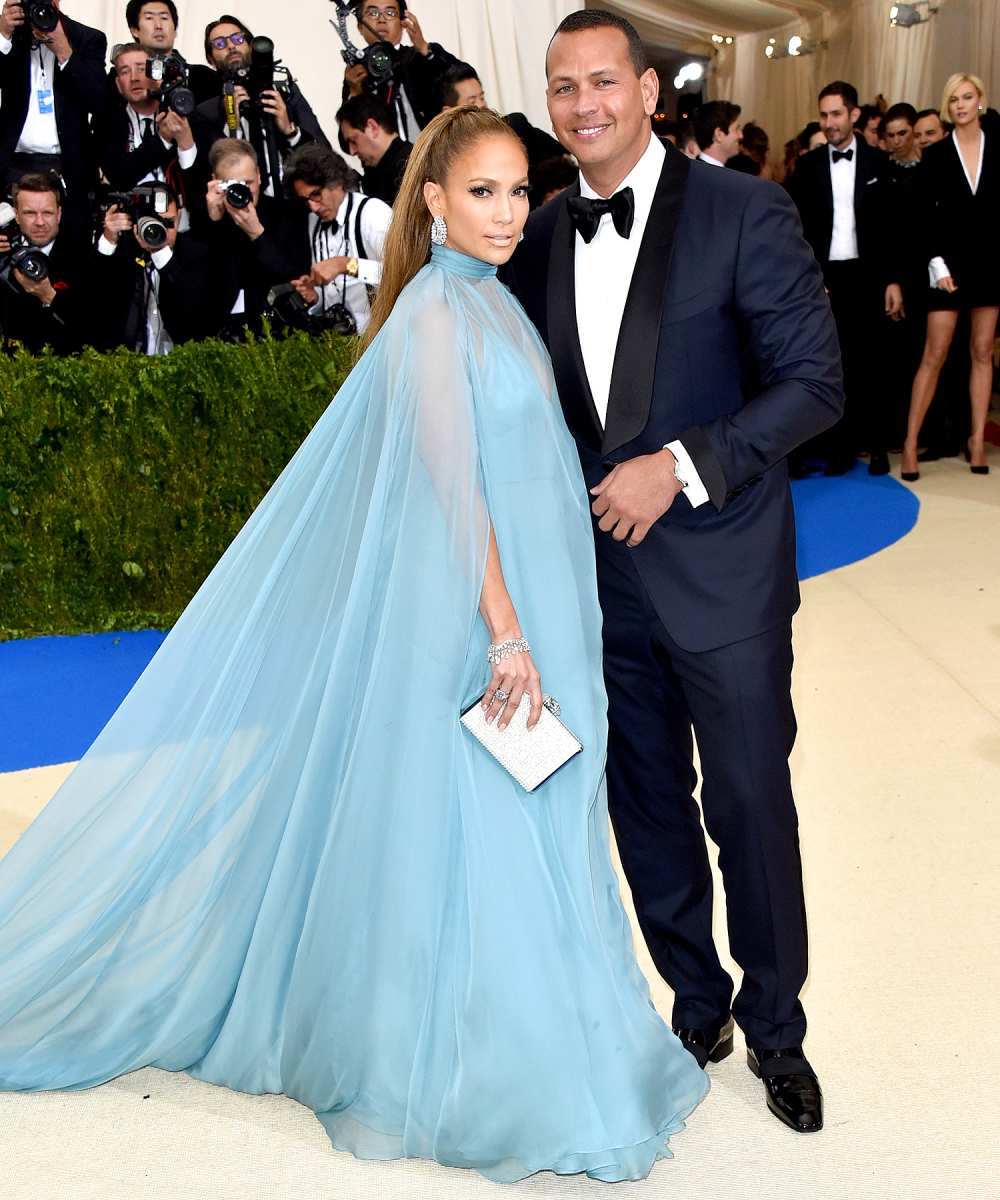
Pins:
<point x="123" y="478"/>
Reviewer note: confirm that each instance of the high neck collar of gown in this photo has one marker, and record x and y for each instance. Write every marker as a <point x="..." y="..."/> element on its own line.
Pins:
<point x="457" y="263"/>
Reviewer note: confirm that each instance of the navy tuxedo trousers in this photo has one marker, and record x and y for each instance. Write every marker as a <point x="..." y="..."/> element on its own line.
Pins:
<point x="736" y="700"/>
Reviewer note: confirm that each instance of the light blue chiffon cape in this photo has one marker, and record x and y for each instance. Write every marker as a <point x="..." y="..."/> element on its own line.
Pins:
<point x="284" y="867"/>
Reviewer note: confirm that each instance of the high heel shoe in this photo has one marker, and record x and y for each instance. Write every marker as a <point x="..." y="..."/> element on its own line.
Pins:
<point x="981" y="469"/>
<point x="909" y="476"/>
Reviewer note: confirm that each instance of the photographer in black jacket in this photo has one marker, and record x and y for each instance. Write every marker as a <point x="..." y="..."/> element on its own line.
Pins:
<point x="147" y="289"/>
<point x="281" y="110"/>
<point x="153" y="25"/>
<point x="413" y="92"/>
<point x="51" y="81"/>
<point x="52" y="310"/>
<point x="252" y="242"/>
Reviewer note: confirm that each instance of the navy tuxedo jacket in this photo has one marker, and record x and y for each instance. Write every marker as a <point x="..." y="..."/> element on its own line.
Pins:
<point x="727" y="342"/>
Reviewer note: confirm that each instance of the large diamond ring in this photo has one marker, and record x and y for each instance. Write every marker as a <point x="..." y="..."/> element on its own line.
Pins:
<point x="501" y="695"/>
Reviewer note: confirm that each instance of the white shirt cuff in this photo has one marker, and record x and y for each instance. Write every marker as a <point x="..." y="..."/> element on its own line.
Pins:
<point x="695" y="490"/>
<point x="162" y="257"/>
<point x="369" y="271"/>
<point x="186" y="158"/>
<point x="105" y="247"/>
<point x="6" y="45"/>
<point x="937" y="269"/>
<point x="295" y="138"/>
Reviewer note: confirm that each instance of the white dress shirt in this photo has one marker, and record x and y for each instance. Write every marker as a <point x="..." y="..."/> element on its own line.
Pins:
<point x="844" y="242"/>
<point x="375" y="220"/>
<point x="39" y="135"/>
<point x="158" y="340"/>
<point x="714" y="162"/>
<point x="938" y="269"/>
<point x="604" y="269"/>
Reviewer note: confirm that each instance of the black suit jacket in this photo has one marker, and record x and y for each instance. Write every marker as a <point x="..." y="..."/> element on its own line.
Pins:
<point x="78" y="89"/>
<point x="727" y="343"/>
<point x="208" y="121"/>
<point x="66" y="324"/>
<point x="181" y="296"/>
<point x="420" y="77"/>
<point x="231" y="262"/>
<point x="382" y="181"/>
<point x="961" y="226"/>
<point x="124" y="166"/>
<point x="811" y="187"/>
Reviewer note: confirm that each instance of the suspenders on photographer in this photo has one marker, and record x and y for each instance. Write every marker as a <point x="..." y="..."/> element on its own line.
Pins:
<point x="346" y="298"/>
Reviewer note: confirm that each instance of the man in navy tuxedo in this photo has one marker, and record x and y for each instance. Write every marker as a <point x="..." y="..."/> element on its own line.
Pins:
<point x="693" y="347"/>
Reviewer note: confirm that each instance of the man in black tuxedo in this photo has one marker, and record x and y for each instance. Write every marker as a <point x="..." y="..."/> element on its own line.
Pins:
<point x="693" y="348"/>
<point x="844" y="191"/>
<point x="148" y="296"/>
<point x="368" y="131"/>
<point x="248" y="248"/>
<point x="284" y="120"/>
<point x="52" y="311"/>
<point x="153" y="26"/>
<point x="413" y="92"/>
<point x="51" y="83"/>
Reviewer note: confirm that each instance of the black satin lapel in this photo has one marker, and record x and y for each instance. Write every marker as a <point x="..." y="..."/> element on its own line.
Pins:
<point x="564" y="335"/>
<point x="635" y="355"/>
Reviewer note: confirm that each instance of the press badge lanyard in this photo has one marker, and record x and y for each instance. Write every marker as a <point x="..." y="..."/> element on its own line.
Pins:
<point x="43" y="93"/>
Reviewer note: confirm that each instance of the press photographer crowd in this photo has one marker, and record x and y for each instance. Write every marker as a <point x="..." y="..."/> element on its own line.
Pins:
<point x="152" y="201"/>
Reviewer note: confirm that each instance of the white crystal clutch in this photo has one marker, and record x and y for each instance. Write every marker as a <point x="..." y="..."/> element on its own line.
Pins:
<point x="530" y="756"/>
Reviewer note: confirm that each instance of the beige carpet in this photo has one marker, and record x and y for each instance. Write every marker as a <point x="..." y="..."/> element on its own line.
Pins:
<point x="898" y="779"/>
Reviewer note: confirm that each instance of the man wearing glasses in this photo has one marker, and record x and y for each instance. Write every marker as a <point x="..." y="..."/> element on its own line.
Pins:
<point x="413" y="93"/>
<point x="228" y="49"/>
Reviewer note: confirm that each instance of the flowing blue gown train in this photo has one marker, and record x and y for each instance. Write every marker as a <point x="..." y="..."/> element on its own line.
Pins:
<point x="284" y="867"/>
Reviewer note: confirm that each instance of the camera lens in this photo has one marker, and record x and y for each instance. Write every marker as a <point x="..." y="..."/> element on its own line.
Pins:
<point x="43" y="16"/>
<point x="32" y="264"/>
<point x="152" y="231"/>
<point x="238" y="195"/>
<point x="181" y="101"/>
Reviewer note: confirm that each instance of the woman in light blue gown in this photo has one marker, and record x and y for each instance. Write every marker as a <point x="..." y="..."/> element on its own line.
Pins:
<point x="284" y="866"/>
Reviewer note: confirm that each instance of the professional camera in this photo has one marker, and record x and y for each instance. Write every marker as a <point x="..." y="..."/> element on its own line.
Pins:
<point x="236" y="193"/>
<point x="42" y="15"/>
<point x="287" y="306"/>
<point x="170" y="72"/>
<point x="22" y="256"/>
<point x="379" y="59"/>
<point x="264" y="73"/>
<point x="147" y="207"/>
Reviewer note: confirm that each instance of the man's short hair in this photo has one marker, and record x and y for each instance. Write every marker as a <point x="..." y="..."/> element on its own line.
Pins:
<point x="124" y="48"/>
<point x="846" y="91"/>
<point x="899" y="112"/>
<point x="318" y="166"/>
<point x="869" y="112"/>
<point x="707" y="118"/>
<point x="806" y="135"/>
<point x="134" y="8"/>
<point x="597" y="18"/>
<point x="227" y="149"/>
<point x="360" y="4"/>
<point x="928" y="112"/>
<point x="448" y="87"/>
<point x="225" y="19"/>
<point x="359" y="110"/>
<point x="38" y="181"/>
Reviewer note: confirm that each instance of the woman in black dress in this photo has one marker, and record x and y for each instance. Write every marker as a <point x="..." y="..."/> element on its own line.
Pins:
<point x="960" y="184"/>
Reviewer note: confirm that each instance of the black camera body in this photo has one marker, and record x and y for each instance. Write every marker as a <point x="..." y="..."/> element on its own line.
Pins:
<point x="42" y="15"/>
<point x="22" y="255"/>
<point x="170" y="72"/>
<point x="263" y="74"/>
<point x="147" y="206"/>
<point x="236" y="193"/>
<point x="288" y="307"/>
<point x="378" y="59"/>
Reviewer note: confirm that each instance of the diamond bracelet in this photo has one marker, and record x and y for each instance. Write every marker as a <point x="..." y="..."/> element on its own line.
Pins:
<point x="498" y="651"/>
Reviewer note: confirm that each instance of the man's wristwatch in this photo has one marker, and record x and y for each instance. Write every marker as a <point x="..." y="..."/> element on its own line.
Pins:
<point x="352" y="268"/>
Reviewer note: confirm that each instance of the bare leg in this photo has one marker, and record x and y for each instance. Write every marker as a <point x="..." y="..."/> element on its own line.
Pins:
<point x="940" y="330"/>
<point x="983" y="331"/>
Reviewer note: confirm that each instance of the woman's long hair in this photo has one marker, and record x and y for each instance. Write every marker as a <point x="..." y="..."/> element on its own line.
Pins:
<point x="408" y="242"/>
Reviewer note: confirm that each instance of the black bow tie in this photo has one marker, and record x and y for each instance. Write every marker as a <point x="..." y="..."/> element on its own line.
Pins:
<point x="839" y="154"/>
<point x="586" y="213"/>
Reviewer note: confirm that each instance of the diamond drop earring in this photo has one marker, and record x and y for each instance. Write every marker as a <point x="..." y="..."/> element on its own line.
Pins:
<point x="439" y="231"/>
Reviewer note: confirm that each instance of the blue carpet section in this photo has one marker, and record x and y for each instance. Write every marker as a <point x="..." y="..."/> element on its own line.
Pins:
<point x="56" y="693"/>
<point x="843" y="520"/>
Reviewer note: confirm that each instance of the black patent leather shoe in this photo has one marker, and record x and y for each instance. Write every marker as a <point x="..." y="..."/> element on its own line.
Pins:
<point x="707" y="1045"/>
<point x="878" y="464"/>
<point x="794" y="1097"/>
